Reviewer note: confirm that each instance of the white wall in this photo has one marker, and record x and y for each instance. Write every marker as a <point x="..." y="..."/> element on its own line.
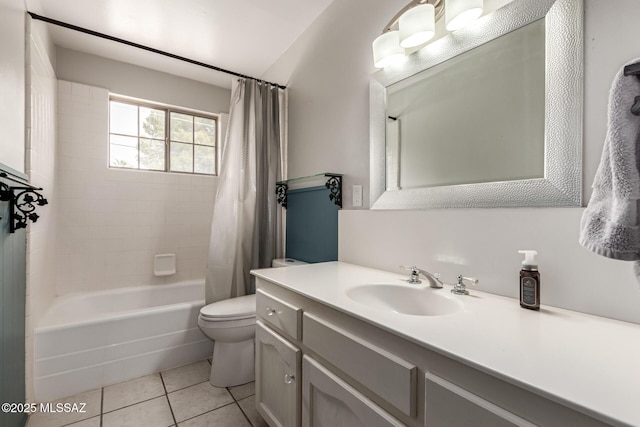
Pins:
<point x="327" y="71"/>
<point x="131" y="80"/>
<point x="12" y="61"/>
<point x="41" y="167"/>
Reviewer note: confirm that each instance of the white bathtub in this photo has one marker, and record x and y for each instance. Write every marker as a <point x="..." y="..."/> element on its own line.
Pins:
<point x="90" y="340"/>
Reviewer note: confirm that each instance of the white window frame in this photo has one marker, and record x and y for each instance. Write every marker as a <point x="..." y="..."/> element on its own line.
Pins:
<point x="167" y="109"/>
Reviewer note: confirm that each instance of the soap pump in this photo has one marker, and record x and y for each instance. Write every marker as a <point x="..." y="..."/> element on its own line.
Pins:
<point x="529" y="281"/>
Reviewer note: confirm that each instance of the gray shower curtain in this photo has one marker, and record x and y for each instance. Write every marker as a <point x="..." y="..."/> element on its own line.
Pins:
<point x="246" y="228"/>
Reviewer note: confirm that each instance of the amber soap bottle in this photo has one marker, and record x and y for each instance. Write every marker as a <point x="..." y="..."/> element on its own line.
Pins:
<point x="529" y="281"/>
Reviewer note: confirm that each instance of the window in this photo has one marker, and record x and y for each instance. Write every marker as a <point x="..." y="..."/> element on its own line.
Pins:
<point x="149" y="137"/>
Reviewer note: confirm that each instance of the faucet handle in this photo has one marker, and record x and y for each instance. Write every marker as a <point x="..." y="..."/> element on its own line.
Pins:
<point x="472" y="280"/>
<point x="460" y="287"/>
<point x="415" y="274"/>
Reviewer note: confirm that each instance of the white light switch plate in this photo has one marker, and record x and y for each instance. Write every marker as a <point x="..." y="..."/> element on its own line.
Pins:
<point x="357" y="195"/>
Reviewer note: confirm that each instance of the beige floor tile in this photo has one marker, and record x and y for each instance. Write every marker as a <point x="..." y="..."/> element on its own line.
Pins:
<point x="227" y="416"/>
<point x="128" y="393"/>
<point x="185" y="376"/>
<point x="248" y="405"/>
<point x="152" y="413"/>
<point x="198" y="399"/>
<point x="242" y="391"/>
<point x="56" y="419"/>
<point x="91" y="422"/>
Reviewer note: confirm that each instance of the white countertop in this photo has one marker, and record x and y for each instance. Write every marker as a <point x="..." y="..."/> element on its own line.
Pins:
<point x="586" y="362"/>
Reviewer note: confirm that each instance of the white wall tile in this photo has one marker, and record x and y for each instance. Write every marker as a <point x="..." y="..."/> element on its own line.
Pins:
<point x="113" y="221"/>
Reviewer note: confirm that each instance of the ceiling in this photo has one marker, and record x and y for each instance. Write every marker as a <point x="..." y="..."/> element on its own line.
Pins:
<point x="245" y="36"/>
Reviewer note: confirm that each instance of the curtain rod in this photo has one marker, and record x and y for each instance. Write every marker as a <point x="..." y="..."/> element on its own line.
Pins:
<point x="143" y="47"/>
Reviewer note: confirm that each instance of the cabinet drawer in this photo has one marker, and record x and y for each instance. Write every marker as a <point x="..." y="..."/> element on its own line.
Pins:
<point x="327" y="401"/>
<point x="447" y="404"/>
<point x="279" y="314"/>
<point x="383" y="373"/>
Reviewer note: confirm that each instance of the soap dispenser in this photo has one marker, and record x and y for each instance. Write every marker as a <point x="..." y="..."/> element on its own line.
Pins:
<point x="529" y="281"/>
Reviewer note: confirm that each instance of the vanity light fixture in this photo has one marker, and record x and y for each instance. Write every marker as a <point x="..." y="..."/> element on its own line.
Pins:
<point x="415" y="24"/>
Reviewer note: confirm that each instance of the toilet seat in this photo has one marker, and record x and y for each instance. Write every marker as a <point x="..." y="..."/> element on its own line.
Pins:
<point x="230" y="309"/>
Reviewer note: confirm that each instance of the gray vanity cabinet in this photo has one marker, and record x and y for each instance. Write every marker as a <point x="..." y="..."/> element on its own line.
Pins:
<point x="319" y="367"/>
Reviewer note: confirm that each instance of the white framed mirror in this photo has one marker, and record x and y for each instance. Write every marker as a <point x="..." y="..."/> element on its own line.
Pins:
<point x="488" y="116"/>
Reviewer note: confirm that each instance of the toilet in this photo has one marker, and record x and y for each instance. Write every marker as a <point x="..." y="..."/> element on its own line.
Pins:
<point x="231" y="324"/>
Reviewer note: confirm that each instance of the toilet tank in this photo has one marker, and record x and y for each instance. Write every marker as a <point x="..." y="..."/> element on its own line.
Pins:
<point x="286" y="262"/>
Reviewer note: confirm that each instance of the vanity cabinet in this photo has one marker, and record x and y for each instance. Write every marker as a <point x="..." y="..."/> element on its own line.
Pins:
<point x="317" y="366"/>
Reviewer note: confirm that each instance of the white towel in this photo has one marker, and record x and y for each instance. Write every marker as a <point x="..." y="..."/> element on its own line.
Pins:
<point x="610" y="224"/>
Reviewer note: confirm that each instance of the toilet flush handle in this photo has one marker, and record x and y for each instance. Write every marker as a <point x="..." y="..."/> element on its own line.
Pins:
<point x="270" y="311"/>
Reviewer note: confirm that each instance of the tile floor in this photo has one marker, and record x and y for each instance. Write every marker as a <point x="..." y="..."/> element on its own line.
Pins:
<point x="180" y="396"/>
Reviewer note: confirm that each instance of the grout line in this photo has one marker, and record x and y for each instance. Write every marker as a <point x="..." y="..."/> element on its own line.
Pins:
<point x="215" y="409"/>
<point x="101" y="404"/>
<point x="133" y="404"/>
<point x="192" y="385"/>
<point x="166" y="395"/>
<point x="240" y="407"/>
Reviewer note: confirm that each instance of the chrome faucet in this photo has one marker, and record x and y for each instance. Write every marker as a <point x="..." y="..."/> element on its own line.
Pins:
<point x="414" y="278"/>
<point x="460" y="287"/>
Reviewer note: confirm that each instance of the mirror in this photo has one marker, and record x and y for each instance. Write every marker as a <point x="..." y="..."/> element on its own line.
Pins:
<point x="489" y="116"/>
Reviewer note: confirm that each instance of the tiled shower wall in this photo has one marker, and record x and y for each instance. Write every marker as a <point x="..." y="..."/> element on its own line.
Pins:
<point x="113" y="221"/>
<point x="41" y="167"/>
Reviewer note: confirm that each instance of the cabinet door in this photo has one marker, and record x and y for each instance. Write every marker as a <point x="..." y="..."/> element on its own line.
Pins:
<point x="328" y="401"/>
<point x="447" y="404"/>
<point x="277" y="378"/>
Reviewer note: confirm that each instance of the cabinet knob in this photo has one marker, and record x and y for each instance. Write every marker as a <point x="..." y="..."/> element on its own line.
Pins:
<point x="288" y="378"/>
<point x="270" y="311"/>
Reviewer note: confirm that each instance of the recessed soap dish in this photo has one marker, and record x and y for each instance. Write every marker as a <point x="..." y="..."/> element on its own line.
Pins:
<point x="164" y="265"/>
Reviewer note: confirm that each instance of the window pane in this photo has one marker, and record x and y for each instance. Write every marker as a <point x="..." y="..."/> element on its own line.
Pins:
<point x="181" y="127"/>
<point x="181" y="157"/>
<point x="123" y="118"/>
<point x="151" y="123"/>
<point x="205" y="131"/>
<point x="151" y="154"/>
<point x="205" y="159"/>
<point x="123" y="151"/>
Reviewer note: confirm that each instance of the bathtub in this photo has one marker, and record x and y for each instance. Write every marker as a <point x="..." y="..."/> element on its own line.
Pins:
<point x="90" y="340"/>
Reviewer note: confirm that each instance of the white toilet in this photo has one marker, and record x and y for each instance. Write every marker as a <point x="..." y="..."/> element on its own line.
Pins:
<point x="231" y="324"/>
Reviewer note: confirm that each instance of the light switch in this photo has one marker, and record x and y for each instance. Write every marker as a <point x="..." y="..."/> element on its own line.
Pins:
<point x="357" y="195"/>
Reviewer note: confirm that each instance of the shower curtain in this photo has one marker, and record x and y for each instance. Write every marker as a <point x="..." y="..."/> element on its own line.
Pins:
<point x="246" y="230"/>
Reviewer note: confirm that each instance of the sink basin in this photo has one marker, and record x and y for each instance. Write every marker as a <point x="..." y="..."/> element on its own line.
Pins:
<point x="416" y="301"/>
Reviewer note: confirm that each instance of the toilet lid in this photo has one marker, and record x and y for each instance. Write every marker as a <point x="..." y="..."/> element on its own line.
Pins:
<point x="232" y="308"/>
